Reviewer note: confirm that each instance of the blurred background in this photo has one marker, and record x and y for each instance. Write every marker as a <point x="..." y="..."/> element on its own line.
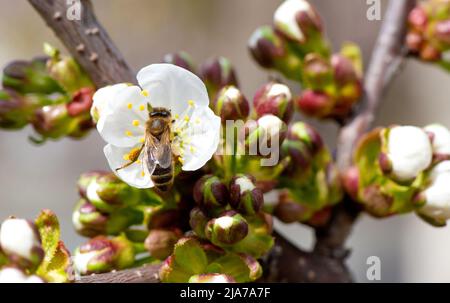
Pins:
<point x="35" y="177"/>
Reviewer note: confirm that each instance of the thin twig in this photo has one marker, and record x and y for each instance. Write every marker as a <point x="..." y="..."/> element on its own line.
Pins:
<point x="143" y="274"/>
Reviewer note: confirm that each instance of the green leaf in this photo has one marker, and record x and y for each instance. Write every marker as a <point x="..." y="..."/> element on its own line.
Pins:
<point x="243" y="268"/>
<point x="189" y="255"/>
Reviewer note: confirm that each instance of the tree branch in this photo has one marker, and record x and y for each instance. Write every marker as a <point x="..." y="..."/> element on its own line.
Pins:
<point x="386" y="59"/>
<point x="87" y="41"/>
<point x="143" y="274"/>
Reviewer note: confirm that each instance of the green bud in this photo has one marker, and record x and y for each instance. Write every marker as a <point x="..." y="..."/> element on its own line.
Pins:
<point x="245" y="197"/>
<point x="211" y="194"/>
<point x="231" y="104"/>
<point x="315" y="103"/>
<point x="66" y="71"/>
<point x="228" y="229"/>
<point x="52" y="121"/>
<point x="318" y="72"/>
<point x="29" y="77"/>
<point x="15" y="112"/>
<point x="276" y="99"/>
<point x="160" y="242"/>
<point x="217" y="73"/>
<point x="87" y="220"/>
<point x="271" y="51"/>
<point x="265" y="136"/>
<point x="211" y="278"/>
<point x="288" y="210"/>
<point x="101" y="254"/>
<point x="181" y="59"/>
<point x="198" y="221"/>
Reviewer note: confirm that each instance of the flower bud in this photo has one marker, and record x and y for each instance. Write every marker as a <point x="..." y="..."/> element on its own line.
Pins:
<point x="442" y="32"/>
<point x="315" y="103"/>
<point x="52" y="121"/>
<point x="271" y="51"/>
<point x="297" y="20"/>
<point x="276" y="99"/>
<point x="81" y="102"/>
<point x="15" y="275"/>
<point x="29" y="77"/>
<point x="87" y="220"/>
<point x="181" y="59"/>
<point x="265" y="136"/>
<point x="418" y="19"/>
<point x="288" y="210"/>
<point x="228" y="229"/>
<point x="212" y="278"/>
<point x="409" y="151"/>
<point x="440" y="139"/>
<point x="210" y="193"/>
<point x="302" y="144"/>
<point x="245" y="197"/>
<point x="318" y="72"/>
<point x="376" y="202"/>
<point x="350" y="181"/>
<point x="430" y="53"/>
<point x="85" y="179"/>
<point x="437" y="195"/>
<point x="15" y="112"/>
<point x="160" y="217"/>
<point x="344" y="71"/>
<point x="414" y="41"/>
<point x="198" y="221"/>
<point x="217" y="73"/>
<point x="20" y="241"/>
<point x="66" y="71"/>
<point x="160" y="242"/>
<point x="231" y="104"/>
<point x="101" y="254"/>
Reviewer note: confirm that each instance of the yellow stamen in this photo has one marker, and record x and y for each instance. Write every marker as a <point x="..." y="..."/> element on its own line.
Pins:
<point x="135" y="122"/>
<point x="191" y="103"/>
<point x="181" y="160"/>
<point x="143" y="173"/>
<point x="130" y="106"/>
<point x="141" y="107"/>
<point x="144" y="93"/>
<point x="186" y="118"/>
<point x="126" y="157"/>
<point x="142" y="140"/>
<point x="192" y="149"/>
<point x="129" y="84"/>
<point x="128" y="133"/>
<point x="138" y="161"/>
<point x="177" y="116"/>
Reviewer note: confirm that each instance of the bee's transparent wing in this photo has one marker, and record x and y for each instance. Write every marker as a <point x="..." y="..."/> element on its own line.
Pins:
<point x="163" y="152"/>
<point x="149" y="159"/>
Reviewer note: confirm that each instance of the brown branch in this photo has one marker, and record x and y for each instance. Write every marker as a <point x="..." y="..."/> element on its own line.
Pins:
<point x="143" y="274"/>
<point x="87" y="41"/>
<point x="386" y="60"/>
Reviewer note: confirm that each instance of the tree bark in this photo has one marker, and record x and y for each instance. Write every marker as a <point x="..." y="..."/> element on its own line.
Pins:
<point x="87" y="41"/>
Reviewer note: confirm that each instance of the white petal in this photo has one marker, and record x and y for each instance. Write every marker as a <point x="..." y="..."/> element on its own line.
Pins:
<point x="172" y="87"/>
<point x="14" y="275"/>
<point x="441" y="140"/>
<point x="409" y="150"/>
<point x="18" y="237"/>
<point x="438" y="193"/>
<point x="133" y="174"/>
<point x="201" y="138"/>
<point x="102" y="101"/>
<point x="285" y="17"/>
<point x="129" y="107"/>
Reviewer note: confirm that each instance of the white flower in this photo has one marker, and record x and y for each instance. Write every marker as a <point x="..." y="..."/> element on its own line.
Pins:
<point x="409" y="150"/>
<point x="441" y="138"/>
<point x="18" y="237"/>
<point x="102" y="100"/>
<point x="285" y="18"/>
<point x="196" y="129"/>
<point x="14" y="275"/>
<point x="437" y="194"/>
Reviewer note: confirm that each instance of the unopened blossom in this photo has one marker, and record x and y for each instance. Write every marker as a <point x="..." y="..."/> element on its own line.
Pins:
<point x="15" y="275"/>
<point x="440" y="138"/>
<point x="437" y="194"/>
<point x="19" y="239"/>
<point x="409" y="151"/>
<point x="195" y="130"/>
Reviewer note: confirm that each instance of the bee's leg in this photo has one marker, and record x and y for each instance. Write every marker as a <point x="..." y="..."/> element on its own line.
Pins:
<point x="133" y="156"/>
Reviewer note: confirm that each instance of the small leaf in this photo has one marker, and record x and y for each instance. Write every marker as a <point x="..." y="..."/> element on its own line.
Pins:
<point x="48" y="227"/>
<point x="243" y="268"/>
<point x="189" y="255"/>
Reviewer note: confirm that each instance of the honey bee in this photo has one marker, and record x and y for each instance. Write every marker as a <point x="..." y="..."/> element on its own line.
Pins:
<point x="156" y="148"/>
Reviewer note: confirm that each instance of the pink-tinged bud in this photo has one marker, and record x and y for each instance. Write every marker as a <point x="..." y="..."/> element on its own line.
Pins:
<point x="430" y="53"/>
<point x="160" y="242"/>
<point x="231" y="104"/>
<point x="376" y="203"/>
<point x="414" y="41"/>
<point x="228" y="229"/>
<point x="317" y="71"/>
<point x="385" y="163"/>
<point x="287" y="210"/>
<point x="344" y="71"/>
<point x="217" y="73"/>
<point x="442" y="31"/>
<point x="314" y="103"/>
<point x="245" y="196"/>
<point x="210" y="193"/>
<point x="181" y="59"/>
<point x="101" y="254"/>
<point x="276" y="99"/>
<point x="52" y="121"/>
<point x="418" y="19"/>
<point x="350" y="181"/>
<point x="321" y="217"/>
<point x="87" y="220"/>
<point x="81" y="102"/>
<point x="212" y="278"/>
<point x="297" y="20"/>
<point x="20" y="241"/>
<point x="15" y="112"/>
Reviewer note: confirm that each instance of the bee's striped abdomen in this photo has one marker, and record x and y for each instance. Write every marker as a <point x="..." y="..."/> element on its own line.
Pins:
<point x="163" y="177"/>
